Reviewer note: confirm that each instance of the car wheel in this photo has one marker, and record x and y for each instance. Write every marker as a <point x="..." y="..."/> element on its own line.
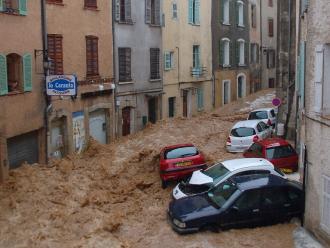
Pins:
<point x="164" y="184"/>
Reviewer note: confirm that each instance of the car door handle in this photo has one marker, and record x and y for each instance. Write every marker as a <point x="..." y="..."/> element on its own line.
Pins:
<point x="255" y="210"/>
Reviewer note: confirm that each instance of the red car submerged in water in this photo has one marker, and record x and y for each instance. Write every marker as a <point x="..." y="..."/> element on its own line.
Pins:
<point x="179" y="161"/>
<point x="276" y="150"/>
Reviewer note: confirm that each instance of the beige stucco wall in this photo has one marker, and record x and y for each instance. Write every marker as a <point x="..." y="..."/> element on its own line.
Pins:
<point x="231" y="75"/>
<point x="74" y="23"/>
<point x="314" y="130"/>
<point x="23" y="112"/>
<point x="179" y="37"/>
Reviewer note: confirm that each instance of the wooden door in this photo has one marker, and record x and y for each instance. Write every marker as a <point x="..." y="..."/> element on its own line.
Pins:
<point x="185" y="103"/>
<point x="126" y="117"/>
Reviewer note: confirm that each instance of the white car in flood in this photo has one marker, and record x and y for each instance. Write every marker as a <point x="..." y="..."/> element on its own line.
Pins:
<point x="204" y="180"/>
<point x="267" y="115"/>
<point x="245" y="133"/>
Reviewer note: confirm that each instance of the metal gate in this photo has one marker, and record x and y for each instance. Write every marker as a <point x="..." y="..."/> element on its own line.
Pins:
<point x="23" y="148"/>
<point x="97" y="126"/>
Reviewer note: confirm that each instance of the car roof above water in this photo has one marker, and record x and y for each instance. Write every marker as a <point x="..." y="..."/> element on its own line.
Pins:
<point x="247" y="123"/>
<point x="259" y="181"/>
<point x="236" y="164"/>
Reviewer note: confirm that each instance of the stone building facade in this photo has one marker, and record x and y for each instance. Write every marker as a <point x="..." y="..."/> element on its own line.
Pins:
<point x="80" y="46"/>
<point x="186" y="38"/>
<point x="21" y="86"/>
<point x="138" y="63"/>
<point x="230" y="50"/>
<point x="313" y="119"/>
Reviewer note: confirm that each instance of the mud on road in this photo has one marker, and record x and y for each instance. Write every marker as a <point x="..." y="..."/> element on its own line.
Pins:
<point x="111" y="196"/>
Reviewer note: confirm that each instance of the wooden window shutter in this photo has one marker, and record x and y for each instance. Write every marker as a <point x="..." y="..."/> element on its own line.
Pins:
<point x="148" y="11"/>
<point x="258" y="53"/>
<point x="237" y="13"/>
<point x="167" y="62"/>
<point x="191" y="12"/>
<point x="238" y="51"/>
<point x="1" y="5"/>
<point x="91" y="3"/>
<point x="232" y="53"/>
<point x="318" y="78"/>
<point x="92" y="56"/>
<point x="221" y="52"/>
<point x="197" y="11"/>
<point x="128" y="10"/>
<point x="270" y="28"/>
<point x="3" y="75"/>
<point x="55" y="53"/>
<point x="27" y="72"/>
<point x="117" y="10"/>
<point x="246" y="53"/>
<point x="154" y="63"/>
<point x="221" y="11"/>
<point x="124" y="57"/>
<point x="22" y="6"/>
<point x="157" y="12"/>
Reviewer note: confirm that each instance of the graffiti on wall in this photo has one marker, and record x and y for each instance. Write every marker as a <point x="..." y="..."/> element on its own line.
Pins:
<point x="78" y="131"/>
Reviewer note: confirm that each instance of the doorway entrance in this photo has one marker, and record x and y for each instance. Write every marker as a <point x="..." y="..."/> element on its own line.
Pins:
<point x="126" y="117"/>
<point x="152" y="113"/>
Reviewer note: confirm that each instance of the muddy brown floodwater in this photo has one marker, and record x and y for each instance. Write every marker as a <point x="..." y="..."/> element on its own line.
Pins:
<point x="111" y="196"/>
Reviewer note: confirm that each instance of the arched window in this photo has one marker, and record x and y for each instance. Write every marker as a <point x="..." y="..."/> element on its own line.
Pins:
<point x="241" y="85"/>
<point x="240" y="13"/>
<point x="225" y="52"/>
<point x="225" y="11"/>
<point x="14" y="72"/>
<point x="241" y="52"/>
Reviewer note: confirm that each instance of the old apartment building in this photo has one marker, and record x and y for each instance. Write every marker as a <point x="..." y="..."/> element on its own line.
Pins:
<point x="21" y="87"/>
<point x="230" y="46"/>
<point x="255" y="44"/>
<point x="312" y="97"/>
<point x="138" y="63"/>
<point x="187" y="49"/>
<point x="268" y="33"/>
<point x="80" y="46"/>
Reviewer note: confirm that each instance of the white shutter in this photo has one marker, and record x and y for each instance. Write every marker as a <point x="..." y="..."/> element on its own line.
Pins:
<point x="318" y="78"/>
<point x="148" y="11"/>
<point x="117" y="10"/>
<point x="128" y="14"/>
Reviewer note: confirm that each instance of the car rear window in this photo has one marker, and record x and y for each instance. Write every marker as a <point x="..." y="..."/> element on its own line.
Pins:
<point x="258" y="115"/>
<point x="279" y="152"/>
<point x="243" y="132"/>
<point x="181" y="152"/>
<point x="217" y="171"/>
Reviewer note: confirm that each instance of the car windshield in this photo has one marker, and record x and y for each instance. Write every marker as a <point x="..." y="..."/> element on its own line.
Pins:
<point x="258" y="115"/>
<point x="217" y="171"/>
<point x="243" y="132"/>
<point x="221" y="193"/>
<point x="181" y="152"/>
<point x="279" y="152"/>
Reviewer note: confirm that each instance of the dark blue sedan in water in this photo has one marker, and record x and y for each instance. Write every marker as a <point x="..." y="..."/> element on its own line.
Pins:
<point x="245" y="201"/>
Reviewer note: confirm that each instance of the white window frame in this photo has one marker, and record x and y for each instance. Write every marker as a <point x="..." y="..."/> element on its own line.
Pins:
<point x="242" y="48"/>
<point x="226" y="52"/>
<point x="243" y="87"/>
<point x="226" y="13"/>
<point x="171" y="61"/>
<point x="240" y="10"/>
<point x="325" y="218"/>
<point x="223" y="91"/>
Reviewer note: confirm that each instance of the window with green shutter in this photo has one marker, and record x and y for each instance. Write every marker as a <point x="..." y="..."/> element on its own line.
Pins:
<point x="3" y="75"/>
<point x="200" y="99"/>
<point x="27" y="72"/>
<point x="1" y="5"/>
<point x="22" y="7"/>
<point x="194" y="12"/>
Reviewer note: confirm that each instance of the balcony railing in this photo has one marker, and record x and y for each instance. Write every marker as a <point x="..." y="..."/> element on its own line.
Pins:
<point x="198" y="71"/>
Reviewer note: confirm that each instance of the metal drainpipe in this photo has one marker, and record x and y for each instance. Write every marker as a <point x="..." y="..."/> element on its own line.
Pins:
<point x="114" y="71"/>
<point x="289" y="75"/>
<point x="261" y="54"/>
<point x="45" y="68"/>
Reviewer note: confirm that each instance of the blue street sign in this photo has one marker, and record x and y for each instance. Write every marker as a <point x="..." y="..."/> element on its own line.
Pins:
<point x="61" y="85"/>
